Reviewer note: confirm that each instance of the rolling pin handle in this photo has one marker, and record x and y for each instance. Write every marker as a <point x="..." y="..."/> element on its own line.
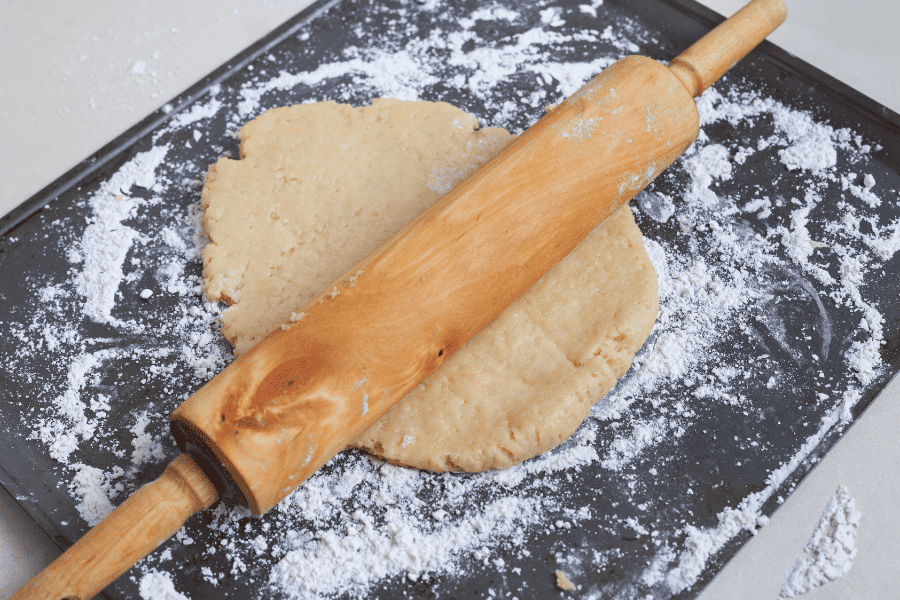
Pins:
<point x="149" y="517"/>
<point x="711" y="56"/>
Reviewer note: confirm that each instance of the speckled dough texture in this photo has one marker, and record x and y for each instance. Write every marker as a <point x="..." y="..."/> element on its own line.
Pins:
<point x="320" y="186"/>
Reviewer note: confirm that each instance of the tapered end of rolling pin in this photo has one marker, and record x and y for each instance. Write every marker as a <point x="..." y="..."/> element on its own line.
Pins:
<point x="711" y="56"/>
<point x="132" y="531"/>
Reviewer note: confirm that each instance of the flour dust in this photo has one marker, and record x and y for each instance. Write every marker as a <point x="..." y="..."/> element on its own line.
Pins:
<point x="769" y="236"/>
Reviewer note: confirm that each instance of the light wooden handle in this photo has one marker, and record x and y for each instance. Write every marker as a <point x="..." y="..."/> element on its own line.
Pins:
<point x="145" y="520"/>
<point x="706" y="60"/>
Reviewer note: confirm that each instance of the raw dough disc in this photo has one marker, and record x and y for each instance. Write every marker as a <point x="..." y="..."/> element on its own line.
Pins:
<point x="320" y="186"/>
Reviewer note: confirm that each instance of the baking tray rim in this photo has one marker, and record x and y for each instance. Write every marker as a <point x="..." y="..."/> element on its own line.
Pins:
<point x="883" y="117"/>
<point x="853" y="99"/>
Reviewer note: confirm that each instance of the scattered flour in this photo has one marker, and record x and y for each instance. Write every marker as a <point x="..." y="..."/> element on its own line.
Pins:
<point x="656" y="205"/>
<point x="147" y="447"/>
<point x="812" y="154"/>
<point x="94" y="489"/>
<point x="159" y="586"/>
<point x="71" y="419"/>
<point x="106" y="241"/>
<point x="831" y="547"/>
<point x="338" y="562"/>
<point x="138" y="68"/>
<point x="737" y="260"/>
<point x="624" y="449"/>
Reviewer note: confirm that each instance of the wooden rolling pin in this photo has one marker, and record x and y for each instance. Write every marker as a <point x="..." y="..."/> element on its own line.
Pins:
<point x="280" y="411"/>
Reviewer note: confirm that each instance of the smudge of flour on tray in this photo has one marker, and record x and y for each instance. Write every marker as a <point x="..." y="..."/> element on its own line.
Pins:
<point x="84" y="413"/>
<point x="745" y="256"/>
<point x="831" y="547"/>
<point x="741" y="271"/>
<point x="106" y="241"/>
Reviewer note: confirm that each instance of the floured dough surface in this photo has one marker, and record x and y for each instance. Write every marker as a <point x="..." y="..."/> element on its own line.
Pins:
<point x="320" y="186"/>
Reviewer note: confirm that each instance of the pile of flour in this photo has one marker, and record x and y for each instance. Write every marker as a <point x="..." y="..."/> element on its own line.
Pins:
<point x="831" y="547"/>
<point x="724" y="262"/>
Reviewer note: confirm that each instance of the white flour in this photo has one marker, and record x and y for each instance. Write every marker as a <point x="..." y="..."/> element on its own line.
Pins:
<point x="94" y="489"/>
<point x="106" y="240"/>
<point x="159" y="586"/>
<point x="62" y="431"/>
<point x="736" y="262"/>
<point x="831" y="547"/>
<point x="339" y="561"/>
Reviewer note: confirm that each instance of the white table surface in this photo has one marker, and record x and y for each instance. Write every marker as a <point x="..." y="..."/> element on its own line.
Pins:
<point x="67" y="91"/>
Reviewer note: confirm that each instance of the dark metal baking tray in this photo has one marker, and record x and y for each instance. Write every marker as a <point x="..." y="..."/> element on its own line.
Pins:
<point x="30" y="248"/>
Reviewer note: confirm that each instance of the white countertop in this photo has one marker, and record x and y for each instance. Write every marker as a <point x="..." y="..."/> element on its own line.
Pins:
<point x="69" y="89"/>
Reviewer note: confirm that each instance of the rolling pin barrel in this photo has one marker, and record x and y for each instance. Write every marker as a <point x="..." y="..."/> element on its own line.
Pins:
<point x="280" y="411"/>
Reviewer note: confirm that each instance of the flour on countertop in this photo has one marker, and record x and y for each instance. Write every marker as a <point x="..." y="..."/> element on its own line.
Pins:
<point x="656" y="205"/>
<point x="147" y="447"/>
<point x="831" y="547"/>
<point x="106" y="241"/>
<point x="94" y="489"/>
<point x="70" y="422"/>
<point x="754" y="285"/>
<point x="159" y="586"/>
<point x="338" y="561"/>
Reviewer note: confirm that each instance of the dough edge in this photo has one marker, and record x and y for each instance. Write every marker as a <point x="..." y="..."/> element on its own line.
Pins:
<point x="545" y="397"/>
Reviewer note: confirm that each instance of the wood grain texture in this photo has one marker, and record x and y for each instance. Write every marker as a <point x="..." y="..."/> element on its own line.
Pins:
<point x="150" y="516"/>
<point x="705" y="61"/>
<point x="282" y="410"/>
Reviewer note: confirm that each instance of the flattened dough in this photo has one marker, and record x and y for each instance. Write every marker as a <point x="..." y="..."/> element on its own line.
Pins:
<point x="320" y="186"/>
